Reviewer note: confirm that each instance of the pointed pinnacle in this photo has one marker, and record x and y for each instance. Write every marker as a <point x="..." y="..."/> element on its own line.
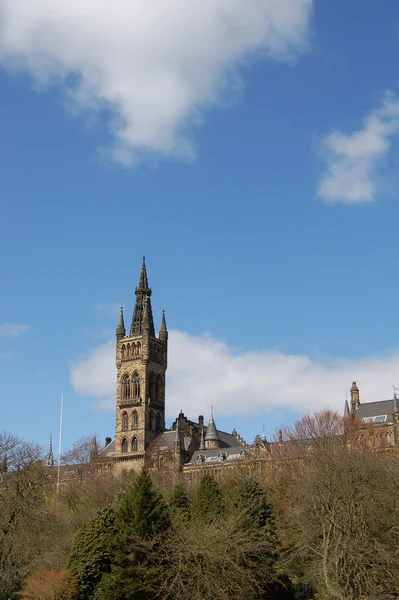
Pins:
<point x="121" y="323"/>
<point x="143" y="281"/>
<point x="346" y="410"/>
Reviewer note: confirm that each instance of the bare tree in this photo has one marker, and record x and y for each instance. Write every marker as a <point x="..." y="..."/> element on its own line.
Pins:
<point x="337" y="508"/>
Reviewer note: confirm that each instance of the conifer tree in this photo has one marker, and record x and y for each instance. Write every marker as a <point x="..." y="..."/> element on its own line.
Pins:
<point x="141" y="515"/>
<point x="92" y="553"/>
<point x="209" y="502"/>
<point x="179" y="501"/>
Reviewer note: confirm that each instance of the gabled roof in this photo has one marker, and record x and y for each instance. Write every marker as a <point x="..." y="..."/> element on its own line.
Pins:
<point x="375" y="409"/>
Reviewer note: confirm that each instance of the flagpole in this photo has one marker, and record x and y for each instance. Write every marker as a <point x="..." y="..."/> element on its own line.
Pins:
<point x="59" y="444"/>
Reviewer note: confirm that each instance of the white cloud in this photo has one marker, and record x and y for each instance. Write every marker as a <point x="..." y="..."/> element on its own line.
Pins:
<point x="13" y="329"/>
<point x="352" y="160"/>
<point x="153" y="65"/>
<point x="203" y="371"/>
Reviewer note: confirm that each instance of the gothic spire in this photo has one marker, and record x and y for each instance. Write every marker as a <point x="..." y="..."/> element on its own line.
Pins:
<point x="347" y="412"/>
<point x="163" y="332"/>
<point x="211" y="432"/>
<point x="142" y="305"/>
<point x="120" y="330"/>
<point x="143" y="281"/>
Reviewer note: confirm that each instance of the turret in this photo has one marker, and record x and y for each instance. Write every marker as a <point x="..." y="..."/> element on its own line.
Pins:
<point x="163" y="332"/>
<point x="347" y="412"/>
<point x="355" y="398"/>
<point x="120" y="330"/>
<point x="212" y="436"/>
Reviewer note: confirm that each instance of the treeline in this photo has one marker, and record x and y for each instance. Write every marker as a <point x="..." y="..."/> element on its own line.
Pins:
<point x="320" y="522"/>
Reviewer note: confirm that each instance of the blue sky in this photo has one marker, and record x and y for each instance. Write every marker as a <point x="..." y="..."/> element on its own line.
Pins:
<point x="257" y="169"/>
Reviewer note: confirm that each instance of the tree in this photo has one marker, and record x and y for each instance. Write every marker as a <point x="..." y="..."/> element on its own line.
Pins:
<point x="179" y="501"/>
<point x="218" y="559"/>
<point x="49" y="585"/>
<point x="336" y="510"/>
<point x="92" y="553"/>
<point x="23" y="510"/>
<point x="209" y="502"/>
<point x="142" y="516"/>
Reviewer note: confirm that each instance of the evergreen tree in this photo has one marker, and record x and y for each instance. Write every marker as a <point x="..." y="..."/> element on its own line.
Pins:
<point x="179" y="501"/>
<point x="209" y="502"/>
<point x="92" y="553"/>
<point x="259" y="517"/>
<point x="141" y="515"/>
<point x="254" y="501"/>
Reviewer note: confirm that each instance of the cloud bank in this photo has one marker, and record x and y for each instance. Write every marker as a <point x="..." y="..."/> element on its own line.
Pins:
<point x="151" y="67"/>
<point x="13" y="329"/>
<point x="203" y="371"/>
<point x="352" y="160"/>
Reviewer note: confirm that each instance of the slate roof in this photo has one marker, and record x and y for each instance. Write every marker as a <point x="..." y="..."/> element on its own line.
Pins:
<point x="375" y="409"/>
<point x="218" y="455"/>
<point x="166" y="440"/>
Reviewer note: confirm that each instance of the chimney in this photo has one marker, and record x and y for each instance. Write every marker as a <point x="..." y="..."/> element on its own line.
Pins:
<point x="108" y="440"/>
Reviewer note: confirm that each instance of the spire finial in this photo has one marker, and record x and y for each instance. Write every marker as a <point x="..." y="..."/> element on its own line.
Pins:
<point x="120" y="330"/>
<point x="163" y="330"/>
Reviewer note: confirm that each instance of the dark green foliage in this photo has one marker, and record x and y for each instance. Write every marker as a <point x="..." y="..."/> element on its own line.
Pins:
<point x="142" y="511"/>
<point x="209" y="502"/>
<point x="254" y="501"/>
<point x="142" y="514"/>
<point x="179" y="502"/>
<point x="92" y="553"/>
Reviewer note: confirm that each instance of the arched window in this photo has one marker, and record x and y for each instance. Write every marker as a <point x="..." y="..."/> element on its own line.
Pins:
<point x="135" y="445"/>
<point x="133" y="349"/>
<point x="126" y="387"/>
<point x="158" y="422"/>
<point x="151" y="420"/>
<point x="125" y="421"/>
<point x="159" y="388"/>
<point x="152" y="386"/>
<point x="128" y="350"/>
<point x="124" y="445"/>
<point x="135" y="418"/>
<point x="138" y="348"/>
<point x="136" y="386"/>
<point x="123" y="350"/>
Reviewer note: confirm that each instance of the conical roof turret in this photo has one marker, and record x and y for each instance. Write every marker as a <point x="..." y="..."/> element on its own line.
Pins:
<point x="211" y="432"/>
<point x="120" y="330"/>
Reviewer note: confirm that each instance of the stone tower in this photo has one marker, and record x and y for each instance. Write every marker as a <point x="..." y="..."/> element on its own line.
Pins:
<point x="141" y="361"/>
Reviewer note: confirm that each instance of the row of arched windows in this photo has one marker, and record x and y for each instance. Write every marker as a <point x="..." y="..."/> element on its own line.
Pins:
<point x="125" y="420"/>
<point x="154" y="420"/>
<point x="134" y="445"/>
<point x="131" y="350"/>
<point x="155" y="387"/>
<point x="130" y="387"/>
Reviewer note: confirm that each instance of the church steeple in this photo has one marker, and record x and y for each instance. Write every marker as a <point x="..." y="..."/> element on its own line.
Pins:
<point x="142" y="305"/>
